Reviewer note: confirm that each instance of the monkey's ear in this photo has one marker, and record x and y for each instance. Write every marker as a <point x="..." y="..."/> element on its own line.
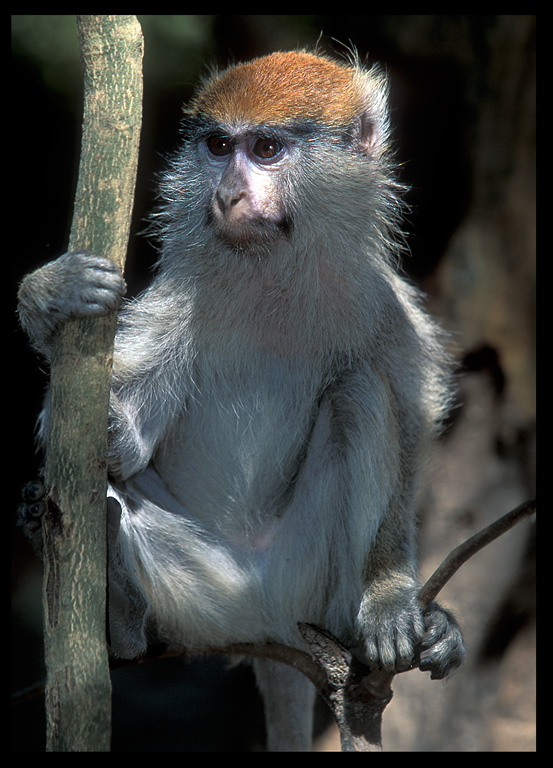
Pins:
<point x="369" y="135"/>
<point x="371" y="125"/>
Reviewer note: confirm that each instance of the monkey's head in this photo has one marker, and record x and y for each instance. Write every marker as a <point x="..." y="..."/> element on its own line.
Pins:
<point x="279" y="140"/>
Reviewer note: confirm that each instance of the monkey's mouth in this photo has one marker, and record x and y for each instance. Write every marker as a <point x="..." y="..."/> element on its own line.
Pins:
<point x="248" y="232"/>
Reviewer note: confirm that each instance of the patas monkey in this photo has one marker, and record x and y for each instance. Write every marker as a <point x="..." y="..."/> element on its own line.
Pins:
<point x="275" y="389"/>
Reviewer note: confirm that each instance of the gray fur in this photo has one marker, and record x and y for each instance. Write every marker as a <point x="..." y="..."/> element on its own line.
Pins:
<point x="272" y="408"/>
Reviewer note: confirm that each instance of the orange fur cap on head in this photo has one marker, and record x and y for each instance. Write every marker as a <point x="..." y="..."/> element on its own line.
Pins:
<point x="283" y="87"/>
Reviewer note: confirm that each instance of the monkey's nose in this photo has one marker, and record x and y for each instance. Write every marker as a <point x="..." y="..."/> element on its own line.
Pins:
<point x="228" y="198"/>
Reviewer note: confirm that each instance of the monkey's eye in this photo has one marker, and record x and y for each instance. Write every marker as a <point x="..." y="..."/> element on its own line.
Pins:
<point x="267" y="149"/>
<point x="219" y="145"/>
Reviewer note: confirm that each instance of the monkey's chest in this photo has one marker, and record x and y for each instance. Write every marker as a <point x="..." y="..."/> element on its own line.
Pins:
<point x="232" y="457"/>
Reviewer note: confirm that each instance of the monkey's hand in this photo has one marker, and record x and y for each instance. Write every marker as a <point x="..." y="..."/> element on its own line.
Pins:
<point x="442" y="647"/>
<point x="391" y="626"/>
<point x="397" y="636"/>
<point x="31" y="511"/>
<point x="78" y="284"/>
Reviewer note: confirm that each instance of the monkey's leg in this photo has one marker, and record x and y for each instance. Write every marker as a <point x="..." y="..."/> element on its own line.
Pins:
<point x="289" y="699"/>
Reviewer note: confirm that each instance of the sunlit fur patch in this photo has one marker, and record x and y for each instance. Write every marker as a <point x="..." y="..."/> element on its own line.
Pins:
<point x="280" y="88"/>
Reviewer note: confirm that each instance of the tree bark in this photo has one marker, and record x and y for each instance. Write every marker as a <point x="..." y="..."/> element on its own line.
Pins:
<point x="78" y="687"/>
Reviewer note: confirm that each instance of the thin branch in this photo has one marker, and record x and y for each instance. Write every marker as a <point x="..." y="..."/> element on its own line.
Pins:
<point x="470" y="547"/>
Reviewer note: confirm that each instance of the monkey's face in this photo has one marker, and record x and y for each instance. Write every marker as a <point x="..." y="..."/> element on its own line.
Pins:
<point x="247" y="200"/>
<point x="279" y="152"/>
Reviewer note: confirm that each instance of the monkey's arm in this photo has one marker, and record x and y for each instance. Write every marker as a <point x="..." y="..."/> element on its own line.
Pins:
<point x="359" y="441"/>
<point x="77" y="284"/>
